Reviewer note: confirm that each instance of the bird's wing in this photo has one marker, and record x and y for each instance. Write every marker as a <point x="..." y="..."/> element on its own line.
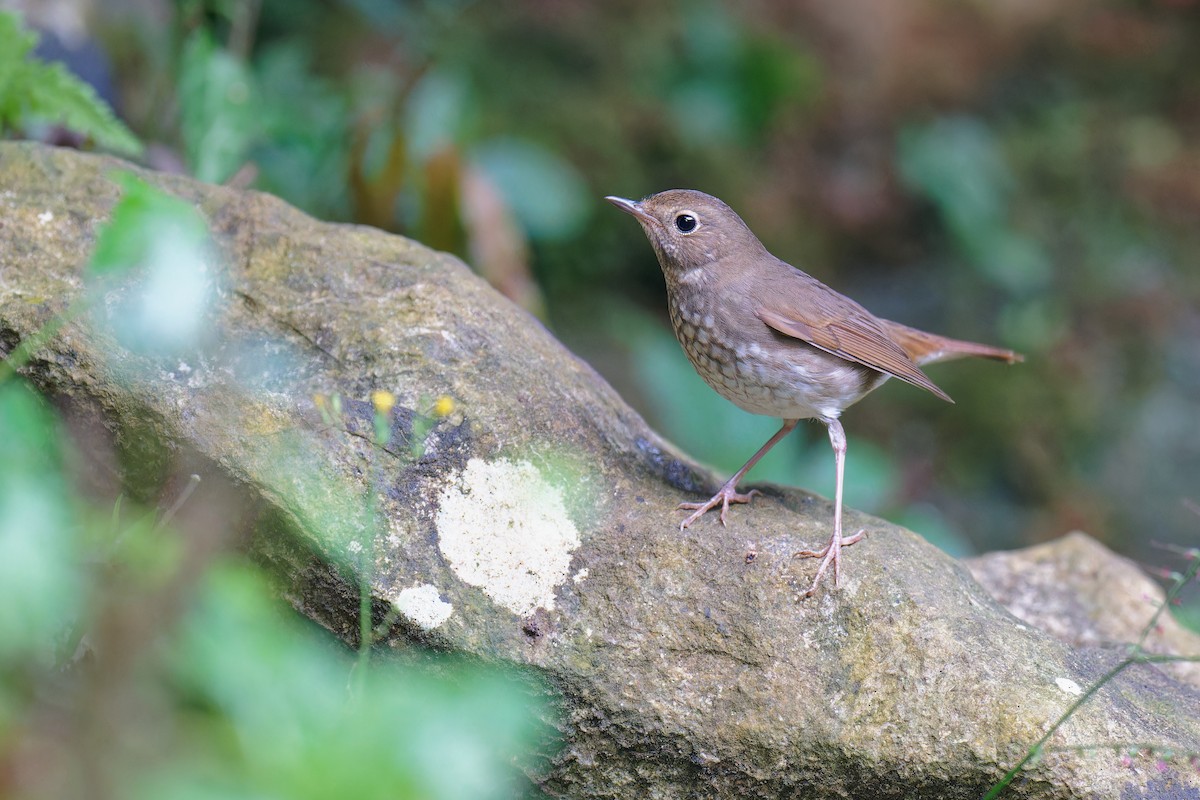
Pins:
<point x="852" y="336"/>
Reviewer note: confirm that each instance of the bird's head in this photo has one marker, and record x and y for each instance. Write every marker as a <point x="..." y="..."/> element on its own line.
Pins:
<point x="690" y="229"/>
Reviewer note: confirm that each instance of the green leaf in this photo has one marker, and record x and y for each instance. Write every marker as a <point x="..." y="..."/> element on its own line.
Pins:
<point x="220" y="109"/>
<point x="305" y="121"/>
<point x="290" y="729"/>
<point x="159" y="246"/>
<point x="32" y="90"/>
<point x="547" y="193"/>
<point x="15" y="44"/>
<point x="958" y="165"/>
<point x="137" y="221"/>
<point x="40" y="584"/>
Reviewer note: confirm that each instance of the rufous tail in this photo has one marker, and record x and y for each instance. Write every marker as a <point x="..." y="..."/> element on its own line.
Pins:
<point x="927" y="348"/>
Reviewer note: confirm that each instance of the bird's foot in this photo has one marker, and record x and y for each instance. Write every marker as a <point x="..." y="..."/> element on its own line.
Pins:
<point x="728" y="494"/>
<point x="830" y="553"/>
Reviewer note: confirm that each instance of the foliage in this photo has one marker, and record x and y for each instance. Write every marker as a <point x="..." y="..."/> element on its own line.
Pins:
<point x="39" y="576"/>
<point x="958" y="165"/>
<point x="277" y="719"/>
<point x="155" y="254"/>
<point x="220" y="107"/>
<point x="33" y="92"/>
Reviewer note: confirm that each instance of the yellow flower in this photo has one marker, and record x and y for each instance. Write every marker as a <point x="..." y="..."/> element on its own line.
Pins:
<point x="443" y="406"/>
<point x="383" y="401"/>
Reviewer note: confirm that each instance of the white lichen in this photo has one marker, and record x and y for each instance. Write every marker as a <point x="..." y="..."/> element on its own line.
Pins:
<point x="423" y="605"/>
<point x="504" y="528"/>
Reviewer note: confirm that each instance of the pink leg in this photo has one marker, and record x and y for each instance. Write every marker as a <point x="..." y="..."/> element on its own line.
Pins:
<point x="832" y="552"/>
<point x="728" y="493"/>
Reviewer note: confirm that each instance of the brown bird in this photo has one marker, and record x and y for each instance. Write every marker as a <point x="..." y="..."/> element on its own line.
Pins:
<point x="775" y="340"/>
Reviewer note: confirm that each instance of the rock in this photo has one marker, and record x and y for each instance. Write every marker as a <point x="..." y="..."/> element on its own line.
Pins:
<point x="1084" y="595"/>
<point x="535" y="525"/>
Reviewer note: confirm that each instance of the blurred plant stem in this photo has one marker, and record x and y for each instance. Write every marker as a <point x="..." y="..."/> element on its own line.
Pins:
<point x="243" y="23"/>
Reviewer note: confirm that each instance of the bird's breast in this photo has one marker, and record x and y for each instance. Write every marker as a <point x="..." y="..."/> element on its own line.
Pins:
<point x="759" y="370"/>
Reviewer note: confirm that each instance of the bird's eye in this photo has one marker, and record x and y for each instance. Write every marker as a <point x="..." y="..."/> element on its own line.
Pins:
<point x="686" y="222"/>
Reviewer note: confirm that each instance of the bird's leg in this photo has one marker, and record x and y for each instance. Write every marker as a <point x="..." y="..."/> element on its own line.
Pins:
<point x="832" y="552"/>
<point x="728" y="493"/>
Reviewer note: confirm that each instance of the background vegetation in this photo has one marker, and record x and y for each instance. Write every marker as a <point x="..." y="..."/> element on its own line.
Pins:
<point x="1020" y="173"/>
<point x="1010" y="172"/>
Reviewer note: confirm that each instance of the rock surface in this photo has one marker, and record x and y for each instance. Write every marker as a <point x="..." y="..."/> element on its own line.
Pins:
<point x="535" y="525"/>
<point x="1082" y="594"/>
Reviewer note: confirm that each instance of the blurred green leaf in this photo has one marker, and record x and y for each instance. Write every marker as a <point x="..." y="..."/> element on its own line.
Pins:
<point x="297" y="733"/>
<point x="219" y="109"/>
<point x="302" y="148"/>
<point x="160" y="245"/>
<point x="40" y="581"/>
<point x="1150" y="142"/>
<point x="1188" y="615"/>
<point x="772" y="76"/>
<point x="733" y="83"/>
<point x="871" y="474"/>
<point x="127" y="240"/>
<point x="711" y="36"/>
<point x="1029" y="324"/>
<point x="956" y="163"/>
<point x="31" y="90"/>
<point x="145" y="553"/>
<point x="705" y="110"/>
<point x="547" y="194"/>
<point x="436" y="113"/>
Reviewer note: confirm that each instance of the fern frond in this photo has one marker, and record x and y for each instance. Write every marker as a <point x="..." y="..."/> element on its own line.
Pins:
<point x="32" y="90"/>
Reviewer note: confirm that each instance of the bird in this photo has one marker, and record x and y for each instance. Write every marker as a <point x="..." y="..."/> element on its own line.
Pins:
<point x="776" y="341"/>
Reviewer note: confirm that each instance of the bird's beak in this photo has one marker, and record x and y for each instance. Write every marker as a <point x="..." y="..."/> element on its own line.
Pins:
<point x="634" y="209"/>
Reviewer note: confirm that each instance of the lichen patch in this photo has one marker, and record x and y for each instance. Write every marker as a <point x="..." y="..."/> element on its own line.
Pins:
<point x="423" y="605"/>
<point x="504" y="528"/>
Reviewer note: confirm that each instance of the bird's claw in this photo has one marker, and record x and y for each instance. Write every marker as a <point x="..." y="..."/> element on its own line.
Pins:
<point x="728" y="494"/>
<point x="831" y="552"/>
